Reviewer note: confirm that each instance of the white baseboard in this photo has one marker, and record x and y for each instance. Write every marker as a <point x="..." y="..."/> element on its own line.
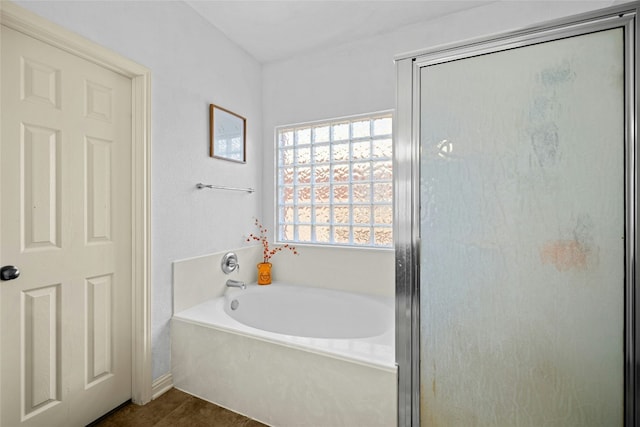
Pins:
<point x="161" y="386"/>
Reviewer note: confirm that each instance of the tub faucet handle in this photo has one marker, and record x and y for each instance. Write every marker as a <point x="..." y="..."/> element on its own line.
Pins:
<point x="229" y="263"/>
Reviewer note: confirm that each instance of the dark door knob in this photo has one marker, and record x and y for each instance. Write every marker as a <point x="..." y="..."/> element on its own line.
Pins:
<point x="9" y="272"/>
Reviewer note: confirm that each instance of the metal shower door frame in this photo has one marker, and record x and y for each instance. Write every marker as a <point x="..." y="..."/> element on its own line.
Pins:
<point x="406" y="166"/>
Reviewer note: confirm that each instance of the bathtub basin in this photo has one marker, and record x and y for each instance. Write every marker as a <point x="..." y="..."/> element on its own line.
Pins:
<point x="264" y="310"/>
<point x="310" y="312"/>
<point x="290" y="355"/>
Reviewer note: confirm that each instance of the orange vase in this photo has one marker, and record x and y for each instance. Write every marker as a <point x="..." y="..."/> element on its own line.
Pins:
<point x="264" y="273"/>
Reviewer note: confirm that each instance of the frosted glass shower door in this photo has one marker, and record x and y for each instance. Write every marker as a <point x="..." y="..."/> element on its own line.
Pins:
<point x="522" y="259"/>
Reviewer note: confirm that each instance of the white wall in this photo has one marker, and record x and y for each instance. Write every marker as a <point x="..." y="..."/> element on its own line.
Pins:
<point x="359" y="77"/>
<point x="192" y="65"/>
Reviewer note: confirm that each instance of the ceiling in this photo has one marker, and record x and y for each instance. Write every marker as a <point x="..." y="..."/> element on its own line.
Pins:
<point x="274" y="30"/>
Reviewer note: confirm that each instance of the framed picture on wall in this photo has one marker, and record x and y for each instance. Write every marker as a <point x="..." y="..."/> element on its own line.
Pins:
<point x="227" y="135"/>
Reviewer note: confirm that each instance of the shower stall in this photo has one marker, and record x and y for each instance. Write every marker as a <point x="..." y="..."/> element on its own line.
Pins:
<point x="515" y="224"/>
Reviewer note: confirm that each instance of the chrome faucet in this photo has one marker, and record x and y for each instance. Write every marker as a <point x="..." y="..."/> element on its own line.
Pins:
<point x="236" y="284"/>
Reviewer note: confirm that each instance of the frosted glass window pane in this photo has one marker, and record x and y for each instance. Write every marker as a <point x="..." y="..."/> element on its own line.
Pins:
<point x="303" y="194"/>
<point x="321" y="174"/>
<point x="361" y="129"/>
<point x="287" y="175"/>
<point x="382" y="149"/>
<point x="323" y="214"/>
<point x="382" y="171"/>
<point x="287" y="232"/>
<point x="340" y="193"/>
<point x="361" y="194"/>
<point x="286" y="138"/>
<point x="340" y="131"/>
<point x="522" y="214"/>
<point x="304" y="233"/>
<point x="287" y="194"/>
<point x="286" y="157"/>
<point x="341" y="235"/>
<point x="382" y="126"/>
<point x="322" y="194"/>
<point x="323" y="234"/>
<point x="303" y="156"/>
<point x="361" y="150"/>
<point x="321" y="134"/>
<point x="304" y="175"/>
<point x="382" y="215"/>
<point x="286" y="214"/>
<point x="341" y="214"/>
<point x="303" y="136"/>
<point x="340" y="152"/>
<point x="340" y="173"/>
<point x="361" y="171"/>
<point x="382" y="192"/>
<point x="321" y="154"/>
<point x="304" y="214"/>
<point x="383" y="236"/>
<point x="361" y="235"/>
<point x="361" y="215"/>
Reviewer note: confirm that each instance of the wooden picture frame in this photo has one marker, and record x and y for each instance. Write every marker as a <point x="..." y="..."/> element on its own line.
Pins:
<point x="227" y="135"/>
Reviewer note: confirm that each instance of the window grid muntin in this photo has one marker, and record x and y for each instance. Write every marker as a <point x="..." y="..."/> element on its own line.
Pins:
<point x="301" y="139"/>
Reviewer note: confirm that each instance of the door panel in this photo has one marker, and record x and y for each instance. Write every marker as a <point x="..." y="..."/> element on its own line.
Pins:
<point x="41" y="353"/>
<point x="41" y="202"/>
<point x="65" y="221"/>
<point x="522" y="236"/>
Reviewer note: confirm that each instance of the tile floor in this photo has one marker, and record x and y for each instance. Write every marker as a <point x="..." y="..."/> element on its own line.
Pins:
<point x="175" y="409"/>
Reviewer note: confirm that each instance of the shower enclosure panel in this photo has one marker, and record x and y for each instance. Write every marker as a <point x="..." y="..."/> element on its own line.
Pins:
<point x="525" y="176"/>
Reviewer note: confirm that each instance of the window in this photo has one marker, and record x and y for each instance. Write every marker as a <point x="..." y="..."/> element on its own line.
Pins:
<point x="334" y="182"/>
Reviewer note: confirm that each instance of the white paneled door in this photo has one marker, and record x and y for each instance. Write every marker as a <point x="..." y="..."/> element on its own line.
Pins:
<point x="65" y="223"/>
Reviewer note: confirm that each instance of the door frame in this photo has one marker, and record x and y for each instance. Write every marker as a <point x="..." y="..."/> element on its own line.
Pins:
<point x="28" y="23"/>
<point x="407" y="193"/>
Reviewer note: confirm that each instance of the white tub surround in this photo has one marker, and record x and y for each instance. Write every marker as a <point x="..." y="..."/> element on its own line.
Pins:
<point x="201" y="278"/>
<point x="352" y="269"/>
<point x="289" y="380"/>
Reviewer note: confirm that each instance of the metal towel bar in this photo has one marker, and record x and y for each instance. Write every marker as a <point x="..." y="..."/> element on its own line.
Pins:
<point x="200" y="186"/>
